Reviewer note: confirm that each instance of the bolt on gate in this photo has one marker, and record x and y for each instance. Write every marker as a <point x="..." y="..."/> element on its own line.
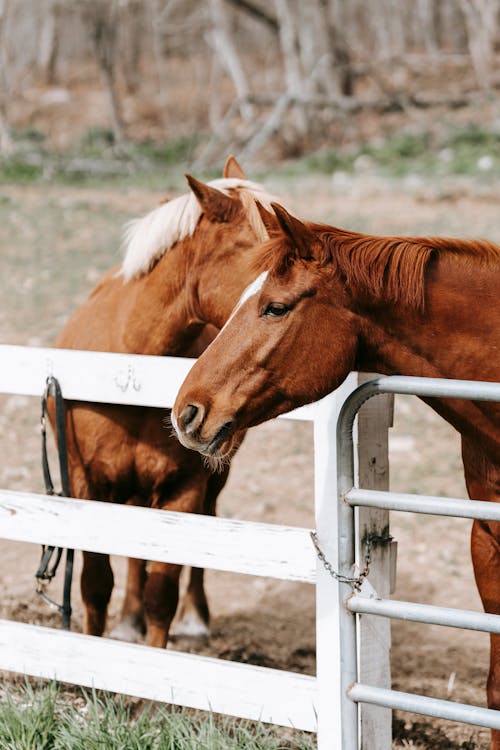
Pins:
<point x="361" y="598"/>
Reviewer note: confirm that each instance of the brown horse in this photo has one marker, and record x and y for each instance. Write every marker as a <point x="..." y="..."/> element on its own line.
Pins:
<point x="329" y="301"/>
<point x="158" y="303"/>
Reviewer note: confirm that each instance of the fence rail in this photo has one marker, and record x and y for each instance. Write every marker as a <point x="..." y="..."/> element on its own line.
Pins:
<point x="241" y="690"/>
<point x="103" y="377"/>
<point x="285" y="552"/>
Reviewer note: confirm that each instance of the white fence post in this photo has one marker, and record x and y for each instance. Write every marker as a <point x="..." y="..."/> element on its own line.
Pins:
<point x="374" y="420"/>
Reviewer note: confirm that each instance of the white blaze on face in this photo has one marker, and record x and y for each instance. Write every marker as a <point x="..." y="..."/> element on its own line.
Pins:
<point x="250" y="291"/>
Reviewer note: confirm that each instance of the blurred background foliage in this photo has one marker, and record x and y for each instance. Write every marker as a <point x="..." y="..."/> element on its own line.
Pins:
<point x="102" y="89"/>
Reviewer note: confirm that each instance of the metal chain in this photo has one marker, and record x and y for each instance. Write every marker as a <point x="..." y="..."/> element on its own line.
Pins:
<point x="371" y="541"/>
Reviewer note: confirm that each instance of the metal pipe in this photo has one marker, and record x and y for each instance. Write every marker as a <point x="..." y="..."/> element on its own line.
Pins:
<point x="347" y="620"/>
<point x="425" y="387"/>
<point x="427" y="613"/>
<point x="438" y="506"/>
<point x="475" y="390"/>
<point x="419" y="704"/>
<point x="428" y="387"/>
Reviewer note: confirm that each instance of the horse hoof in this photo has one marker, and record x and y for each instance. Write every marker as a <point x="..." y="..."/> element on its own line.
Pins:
<point x="190" y="627"/>
<point x="129" y="629"/>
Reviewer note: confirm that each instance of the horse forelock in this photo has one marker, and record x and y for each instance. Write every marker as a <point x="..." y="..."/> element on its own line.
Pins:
<point x="147" y="239"/>
<point x="385" y="269"/>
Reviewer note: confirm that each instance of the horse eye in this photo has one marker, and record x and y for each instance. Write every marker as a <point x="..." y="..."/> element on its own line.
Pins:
<point x="276" y="310"/>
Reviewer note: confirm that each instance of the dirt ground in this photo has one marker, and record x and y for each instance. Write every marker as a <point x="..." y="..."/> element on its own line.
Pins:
<point x="54" y="243"/>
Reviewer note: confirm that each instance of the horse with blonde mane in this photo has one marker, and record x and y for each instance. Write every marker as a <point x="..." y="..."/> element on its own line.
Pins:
<point x="185" y="266"/>
<point x="329" y="301"/>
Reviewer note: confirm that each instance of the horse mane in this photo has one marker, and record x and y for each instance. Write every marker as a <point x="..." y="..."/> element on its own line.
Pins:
<point x="380" y="268"/>
<point x="147" y="239"/>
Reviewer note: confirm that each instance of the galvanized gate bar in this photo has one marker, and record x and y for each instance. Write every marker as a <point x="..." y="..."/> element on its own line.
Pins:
<point x="437" y="506"/>
<point x="476" y="390"/>
<point x="420" y="704"/>
<point x="351" y="691"/>
<point x="428" y="613"/>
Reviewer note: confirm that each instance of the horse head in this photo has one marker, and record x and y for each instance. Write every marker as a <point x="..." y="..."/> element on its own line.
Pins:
<point x="275" y="352"/>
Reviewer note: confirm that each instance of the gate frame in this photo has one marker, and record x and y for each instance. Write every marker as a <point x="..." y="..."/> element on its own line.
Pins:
<point x="351" y="603"/>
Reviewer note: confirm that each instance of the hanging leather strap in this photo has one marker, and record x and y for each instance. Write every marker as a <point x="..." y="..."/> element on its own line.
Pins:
<point x="51" y="555"/>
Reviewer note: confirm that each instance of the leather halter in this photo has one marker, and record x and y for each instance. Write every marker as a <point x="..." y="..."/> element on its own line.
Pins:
<point x="46" y="571"/>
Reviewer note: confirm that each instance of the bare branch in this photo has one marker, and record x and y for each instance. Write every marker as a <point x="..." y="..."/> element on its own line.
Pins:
<point x="256" y="12"/>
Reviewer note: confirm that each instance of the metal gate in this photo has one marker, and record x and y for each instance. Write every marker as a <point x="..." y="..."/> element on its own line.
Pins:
<point x="362" y="599"/>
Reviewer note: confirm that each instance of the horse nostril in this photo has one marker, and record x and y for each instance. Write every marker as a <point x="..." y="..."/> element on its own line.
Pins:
<point x="191" y="417"/>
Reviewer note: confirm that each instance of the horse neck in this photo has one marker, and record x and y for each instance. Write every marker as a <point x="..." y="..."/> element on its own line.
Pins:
<point x="193" y="287"/>
<point x="159" y="317"/>
<point x="454" y="337"/>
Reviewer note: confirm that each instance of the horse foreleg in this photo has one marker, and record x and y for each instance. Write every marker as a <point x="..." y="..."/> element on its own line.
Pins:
<point x="96" y="581"/>
<point x="193" y="616"/>
<point x="96" y="585"/>
<point x="161" y="595"/>
<point x="483" y="483"/>
<point x="485" y="548"/>
<point x="132" y="625"/>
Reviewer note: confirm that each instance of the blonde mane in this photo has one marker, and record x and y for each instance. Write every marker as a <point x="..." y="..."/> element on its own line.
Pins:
<point x="147" y="239"/>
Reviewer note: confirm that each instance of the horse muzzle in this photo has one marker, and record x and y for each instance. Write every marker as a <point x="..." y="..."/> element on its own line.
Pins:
<point x="194" y="433"/>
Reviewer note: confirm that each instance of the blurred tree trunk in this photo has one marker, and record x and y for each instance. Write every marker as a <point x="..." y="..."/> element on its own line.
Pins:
<point x="291" y="62"/>
<point x="481" y="21"/>
<point x="228" y="56"/>
<point x="131" y="47"/>
<point x="289" y="48"/>
<point x="156" y="19"/>
<point x="102" y="19"/>
<point x="426" y="12"/>
<point x="6" y="145"/>
<point x="340" y="67"/>
<point x="48" y="48"/>
<point x="215" y="109"/>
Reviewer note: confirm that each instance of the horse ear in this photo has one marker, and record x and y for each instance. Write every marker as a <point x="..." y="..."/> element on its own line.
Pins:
<point x="216" y="205"/>
<point x="233" y="169"/>
<point x="269" y="220"/>
<point x="303" y="238"/>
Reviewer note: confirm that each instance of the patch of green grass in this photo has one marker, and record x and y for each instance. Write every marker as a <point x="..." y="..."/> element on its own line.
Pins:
<point x="325" y="161"/>
<point x="401" y="154"/>
<point x="33" y="135"/>
<point x="471" y="150"/>
<point x="16" y="170"/>
<point x="176" y="151"/>
<point x="43" y="718"/>
<point x="28" y="720"/>
<point x="99" y="162"/>
<point x="95" y="139"/>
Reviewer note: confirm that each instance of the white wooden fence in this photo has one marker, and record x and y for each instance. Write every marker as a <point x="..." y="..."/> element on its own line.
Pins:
<point x="284" y="698"/>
